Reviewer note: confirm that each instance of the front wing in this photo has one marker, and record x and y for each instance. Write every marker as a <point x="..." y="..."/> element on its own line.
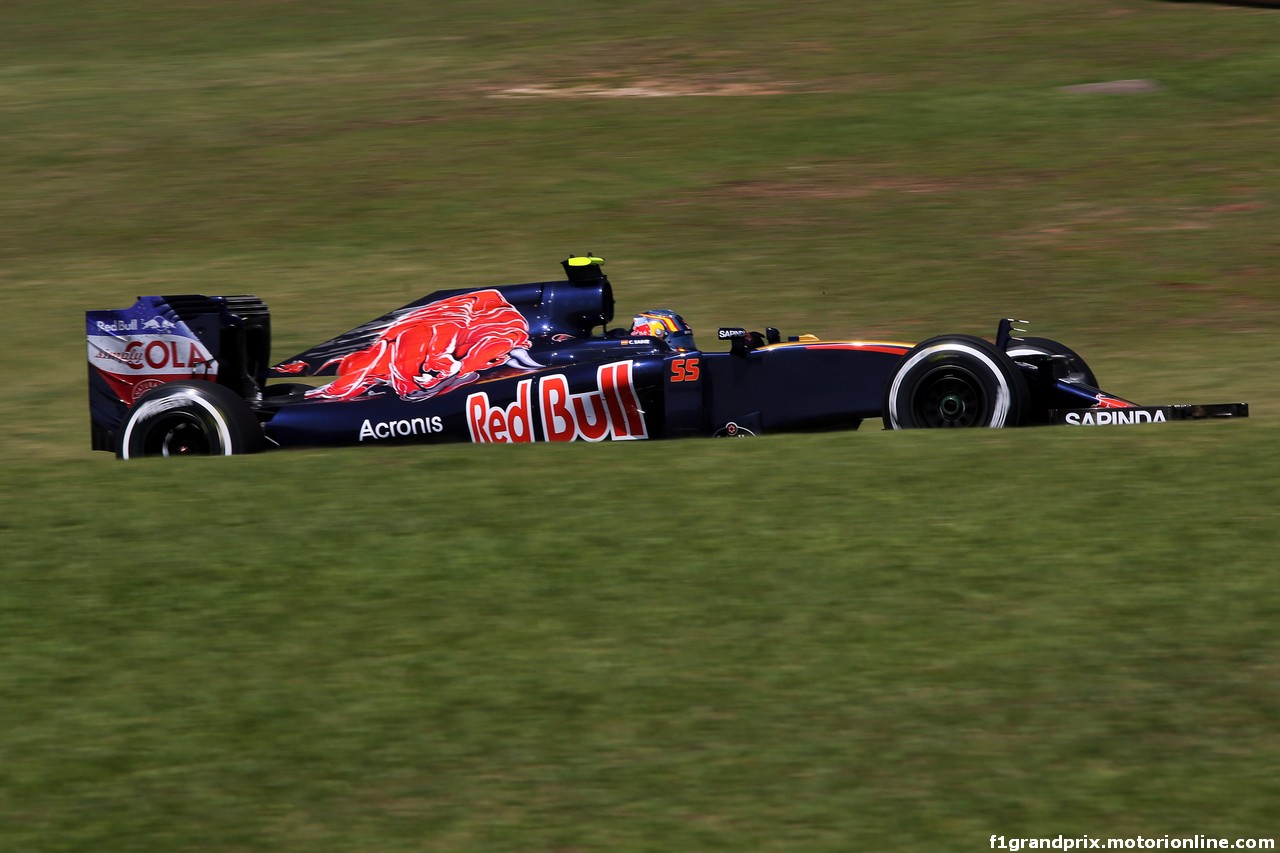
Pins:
<point x="1147" y="414"/>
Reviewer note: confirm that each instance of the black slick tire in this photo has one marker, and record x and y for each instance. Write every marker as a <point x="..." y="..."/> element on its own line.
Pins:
<point x="189" y="419"/>
<point x="956" y="381"/>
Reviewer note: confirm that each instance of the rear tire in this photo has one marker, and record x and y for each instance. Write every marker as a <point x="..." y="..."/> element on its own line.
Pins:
<point x="189" y="419"/>
<point x="956" y="381"/>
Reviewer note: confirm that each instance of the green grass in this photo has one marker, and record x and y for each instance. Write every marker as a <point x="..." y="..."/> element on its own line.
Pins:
<point x="866" y="641"/>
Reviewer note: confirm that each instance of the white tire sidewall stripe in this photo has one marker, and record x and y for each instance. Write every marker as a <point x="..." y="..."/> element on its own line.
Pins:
<point x="1003" y="395"/>
<point x="224" y="432"/>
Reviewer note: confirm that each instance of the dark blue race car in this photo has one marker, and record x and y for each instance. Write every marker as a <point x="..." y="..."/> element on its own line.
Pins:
<point x="192" y="374"/>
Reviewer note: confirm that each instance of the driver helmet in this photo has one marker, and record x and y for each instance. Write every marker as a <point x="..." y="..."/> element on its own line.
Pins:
<point x="665" y="324"/>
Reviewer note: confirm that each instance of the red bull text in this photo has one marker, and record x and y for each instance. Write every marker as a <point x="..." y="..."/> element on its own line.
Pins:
<point x="610" y="411"/>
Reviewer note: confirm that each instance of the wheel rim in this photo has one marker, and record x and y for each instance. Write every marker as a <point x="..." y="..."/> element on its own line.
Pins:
<point x="179" y="434"/>
<point x="951" y="397"/>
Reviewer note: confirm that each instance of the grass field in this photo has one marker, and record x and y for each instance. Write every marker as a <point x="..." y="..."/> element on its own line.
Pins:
<point x="851" y="641"/>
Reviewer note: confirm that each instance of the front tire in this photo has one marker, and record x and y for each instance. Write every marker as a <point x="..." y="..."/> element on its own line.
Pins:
<point x="189" y="419"/>
<point x="956" y="381"/>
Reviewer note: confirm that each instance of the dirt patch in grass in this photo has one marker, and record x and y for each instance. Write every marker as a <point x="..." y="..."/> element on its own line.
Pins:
<point x="1113" y="87"/>
<point x="836" y="181"/>
<point x="1087" y="222"/>
<point x="835" y="189"/>
<point x="645" y="89"/>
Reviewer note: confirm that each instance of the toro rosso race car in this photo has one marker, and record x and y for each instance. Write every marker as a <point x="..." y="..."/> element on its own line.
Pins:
<point x="174" y="375"/>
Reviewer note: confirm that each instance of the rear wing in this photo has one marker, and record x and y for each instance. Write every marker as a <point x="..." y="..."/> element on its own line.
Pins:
<point x="159" y="339"/>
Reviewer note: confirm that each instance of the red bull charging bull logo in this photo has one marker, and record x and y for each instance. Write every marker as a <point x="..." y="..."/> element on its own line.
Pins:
<point x="434" y="349"/>
<point x="612" y="410"/>
<point x="1106" y="401"/>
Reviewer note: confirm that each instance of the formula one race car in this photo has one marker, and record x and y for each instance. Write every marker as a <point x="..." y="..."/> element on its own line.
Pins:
<point x="191" y="374"/>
